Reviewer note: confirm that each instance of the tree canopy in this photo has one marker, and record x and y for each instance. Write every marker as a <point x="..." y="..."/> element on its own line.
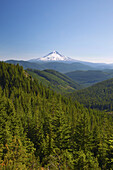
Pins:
<point x="40" y="128"/>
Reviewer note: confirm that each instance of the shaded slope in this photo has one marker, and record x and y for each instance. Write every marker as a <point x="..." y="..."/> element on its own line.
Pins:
<point x="66" y="67"/>
<point x="55" y="80"/>
<point x="90" y="77"/>
<point x="99" y="96"/>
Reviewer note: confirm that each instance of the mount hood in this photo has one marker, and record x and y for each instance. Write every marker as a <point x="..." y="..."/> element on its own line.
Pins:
<point x="52" y="57"/>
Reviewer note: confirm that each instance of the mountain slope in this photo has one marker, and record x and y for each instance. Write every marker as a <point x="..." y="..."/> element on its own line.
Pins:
<point x="90" y="77"/>
<point x="55" y="80"/>
<point x="99" y="96"/>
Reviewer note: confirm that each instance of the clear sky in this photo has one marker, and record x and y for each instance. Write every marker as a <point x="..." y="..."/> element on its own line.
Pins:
<point x="81" y="29"/>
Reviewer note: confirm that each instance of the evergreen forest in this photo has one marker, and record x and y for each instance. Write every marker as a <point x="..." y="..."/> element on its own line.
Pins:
<point x="42" y="129"/>
<point x="54" y="80"/>
<point x="98" y="96"/>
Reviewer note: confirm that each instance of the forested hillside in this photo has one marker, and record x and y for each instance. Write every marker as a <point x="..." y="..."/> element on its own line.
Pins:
<point x="55" y="80"/>
<point x="99" y="96"/>
<point x="40" y="128"/>
<point x="26" y="64"/>
<point x="90" y="77"/>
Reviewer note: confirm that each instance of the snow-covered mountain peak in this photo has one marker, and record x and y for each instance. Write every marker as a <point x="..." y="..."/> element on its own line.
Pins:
<point x="54" y="52"/>
<point x="53" y="56"/>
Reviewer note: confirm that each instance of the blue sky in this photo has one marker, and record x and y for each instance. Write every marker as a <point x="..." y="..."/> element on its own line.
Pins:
<point x="81" y="29"/>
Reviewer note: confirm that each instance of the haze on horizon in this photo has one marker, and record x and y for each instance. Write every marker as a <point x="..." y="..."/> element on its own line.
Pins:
<point x="82" y="30"/>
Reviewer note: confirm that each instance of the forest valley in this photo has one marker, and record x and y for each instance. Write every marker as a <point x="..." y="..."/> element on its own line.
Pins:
<point x="40" y="128"/>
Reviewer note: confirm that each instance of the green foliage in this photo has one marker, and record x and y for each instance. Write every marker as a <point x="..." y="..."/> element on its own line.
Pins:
<point x="110" y="153"/>
<point x="54" y="80"/>
<point x="99" y="96"/>
<point x="90" y="77"/>
<point x="42" y="129"/>
<point x="26" y="64"/>
<point x="86" y="161"/>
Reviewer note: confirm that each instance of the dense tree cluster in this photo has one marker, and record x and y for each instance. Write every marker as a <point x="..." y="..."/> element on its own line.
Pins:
<point x="98" y="96"/>
<point x="40" y="128"/>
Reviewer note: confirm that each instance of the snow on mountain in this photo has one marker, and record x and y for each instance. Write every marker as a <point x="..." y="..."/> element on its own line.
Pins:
<point x="54" y="56"/>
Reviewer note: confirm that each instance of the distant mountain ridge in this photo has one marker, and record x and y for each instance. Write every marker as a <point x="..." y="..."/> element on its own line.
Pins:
<point x="55" y="56"/>
<point x="90" y="77"/>
<point x="56" y="61"/>
<point x="62" y="67"/>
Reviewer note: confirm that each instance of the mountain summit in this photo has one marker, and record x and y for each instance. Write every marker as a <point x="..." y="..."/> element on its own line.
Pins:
<point x="54" y="56"/>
